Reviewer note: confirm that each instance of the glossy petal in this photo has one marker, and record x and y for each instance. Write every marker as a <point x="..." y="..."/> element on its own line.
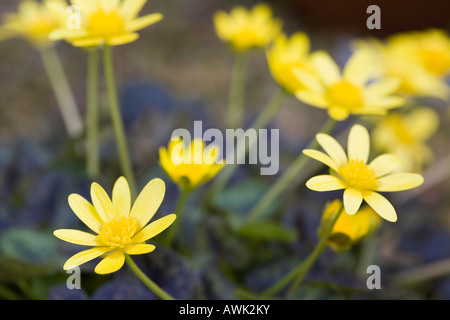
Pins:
<point x="122" y="39"/>
<point x="352" y="200"/>
<point x="102" y="203"/>
<point x="86" y="212"/>
<point x="131" y="8"/>
<point x="322" y="157"/>
<point x="148" y="201"/>
<point x="327" y="69"/>
<point x="399" y="182"/>
<point x="381" y="205"/>
<point x="76" y="237"/>
<point x="384" y="164"/>
<point x="140" y="248"/>
<point x="332" y="148"/>
<point x="143" y="22"/>
<point x="358" y="143"/>
<point x="111" y="263"/>
<point x="85" y="256"/>
<point x="359" y="68"/>
<point x="121" y="197"/>
<point x="154" y="228"/>
<point x="325" y="183"/>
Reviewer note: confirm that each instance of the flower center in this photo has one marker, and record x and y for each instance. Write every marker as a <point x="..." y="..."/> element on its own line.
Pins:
<point x="436" y="61"/>
<point x="357" y="174"/>
<point x="117" y="233"/>
<point x="344" y="94"/>
<point x="106" y="24"/>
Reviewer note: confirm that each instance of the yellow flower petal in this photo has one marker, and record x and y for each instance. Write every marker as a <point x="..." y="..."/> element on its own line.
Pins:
<point x="384" y="164"/>
<point x="148" y="201"/>
<point x="327" y="69"/>
<point x="111" y="263"/>
<point x="386" y="102"/>
<point x="358" y="143"/>
<point x="121" y="197"/>
<point x="102" y="203"/>
<point x="325" y="183"/>
<point x="333" y="148"/>
<point x="399" y="182"/>
<point x="76" y="237"/>
<point x="85" y="211"/>
<point x="154" y="228"/>
<point x="310" y="82"/>
<point x="143" y="22"/>
<point x="312" y="98"/>
<point x="322" y="157"/>
<point x="140" y="248"/>
<point x="131" y="8"/>
<point x="381" y="205"/>
<point x="352" y="200"/>
<point x="87" y="42"/>
<point x="360" y="67"/>
<point x="85" y="256"/>
<point x="122" y="39"/>
<point x="338" y="113"/>
<point x="382" y="88"/>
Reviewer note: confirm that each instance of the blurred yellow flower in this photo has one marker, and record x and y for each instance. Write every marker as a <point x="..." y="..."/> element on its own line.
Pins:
<point x="190" y="166"/>
<point x="110" y="22"/>
<point x="119" y="230"/>
<point x="361" y="180"/>
<point x="421" y="60"/>
<point x="286" y="55"/>
<point x="34" y="21"/>
<point x="245" y="29"/>
<point x="405" y="135"/>
<point x="354" y="91"/>
<point x="348" y="229"/>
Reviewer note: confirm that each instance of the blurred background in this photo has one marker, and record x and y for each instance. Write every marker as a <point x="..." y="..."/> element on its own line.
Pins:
<point x="177" y="72"/>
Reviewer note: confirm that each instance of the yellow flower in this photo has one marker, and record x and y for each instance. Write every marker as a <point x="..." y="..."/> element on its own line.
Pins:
<point x="361" y="180"/>
<point x="245" y="29"/>
<point x="286" y="55"/>
<point x="190" y="166"/>
<point x="34" y="21"/>
<point x="348" y="229"/>
<point x="354" y="91"/>
<point x="119" y="230"/>
<point x="111" y="22"/>
<point x="421" y="60"/>
<point x="405" y="135"/>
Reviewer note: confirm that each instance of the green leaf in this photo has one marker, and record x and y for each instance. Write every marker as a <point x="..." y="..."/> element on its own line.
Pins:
<point x="36" y="247"/>
<point x="266" y="230"/>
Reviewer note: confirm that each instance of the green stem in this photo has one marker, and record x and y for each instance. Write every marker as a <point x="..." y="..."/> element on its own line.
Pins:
<point x="146" y="280"/>
<point x="260" y="122"/>
<point x="299" y="272"/>
<point x="63" y="93"/>
<point x="93" y="160"/>
<point x="116" y="118"/>
<point x="172" y="231"/>
<point x="237" y="91"/>
<point x="289" y="175"/>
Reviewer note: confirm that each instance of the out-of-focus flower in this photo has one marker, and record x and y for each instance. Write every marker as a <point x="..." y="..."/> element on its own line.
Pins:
<point x="405" y="135"/>
<point x="421" y="60"/>
<point x="119" y="230"/>
<point x="245" y="29"/>
<point x="360" y="180"/>
<point x="357" y="90"/>
<point x="111" y="22"/>
<point x="348" y="229"/>
<point x="190" y="166"/>
<point x="287" y="54"/>
<point x="34" y="21"/>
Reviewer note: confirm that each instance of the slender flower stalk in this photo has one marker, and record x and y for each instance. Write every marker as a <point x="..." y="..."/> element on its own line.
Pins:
<point x="179" y="210"/>
<point x="116" y="117"/>
<point x="62" y="91"/>
<point x="260" y="122"/>
<point x="289" y="175"/>
<point x="299" y="272"/>
<point x="146" y="280"/>
<point x="237" y="90"/>
<point x="93" y="159"/>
